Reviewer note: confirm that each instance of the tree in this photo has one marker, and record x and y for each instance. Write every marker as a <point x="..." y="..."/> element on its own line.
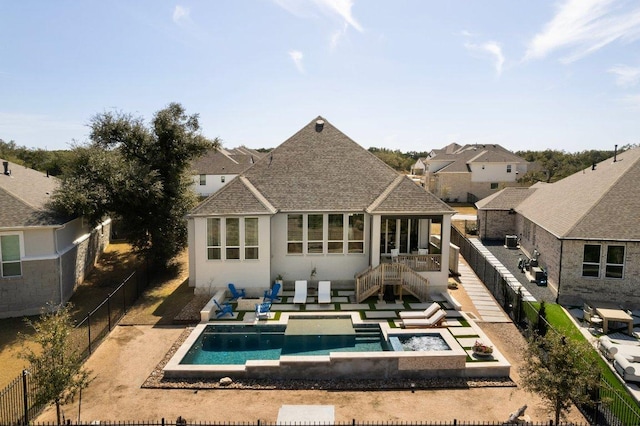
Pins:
<point x="139" y="173"/>
<point x="560" y="371"/>
<point x="56" y="367"/>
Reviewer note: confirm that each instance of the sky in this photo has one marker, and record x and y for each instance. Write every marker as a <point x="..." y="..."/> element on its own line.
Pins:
<point x="408" y="75"/>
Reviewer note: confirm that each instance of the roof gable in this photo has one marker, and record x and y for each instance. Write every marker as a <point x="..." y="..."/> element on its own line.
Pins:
<point x="237" y="197"/>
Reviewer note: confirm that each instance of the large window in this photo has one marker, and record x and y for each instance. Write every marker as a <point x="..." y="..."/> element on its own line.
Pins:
<point x="233" y="238"/>
<point x="615" y="262"/>
<point x="251" y="238"/>
<point x="315" y="231"/>
<point x="213" y="239"/>
<point x="294" y="234"/>
<point x="10" y="253"/>
<point x="356" y="233"/>
<point x="336" y="234"/>
<point x="591" y="261"/>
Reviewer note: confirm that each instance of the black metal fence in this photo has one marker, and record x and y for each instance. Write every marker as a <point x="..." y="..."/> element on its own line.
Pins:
<point x="17" y="400"/>
<point x="180" y="422"/>
<point x="526" y="316"/>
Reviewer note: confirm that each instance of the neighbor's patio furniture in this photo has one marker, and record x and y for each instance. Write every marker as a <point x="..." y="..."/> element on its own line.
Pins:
<point x="615" y="315"/>
<point x="324" y="292"/>
<point x="434" y="321"/>
<point x="224" y="309"/>
<point x="300" y="295"/>
<point x="235" y="294"/>
<point x="589" y="316"/>
<point x="272" y="295"/>
<point x="629" y="370"/>
<point x="427" y="313"/>
<point x="262" y="310"/>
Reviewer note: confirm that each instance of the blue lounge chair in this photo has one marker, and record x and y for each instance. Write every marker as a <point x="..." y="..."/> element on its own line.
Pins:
<point x="262" y="310"/>
<point x="224" y="309"/>
<point x="235" y="294"/>
<point x="272" y="295"/>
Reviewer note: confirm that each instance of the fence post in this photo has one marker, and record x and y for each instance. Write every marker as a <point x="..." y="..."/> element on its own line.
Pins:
<point x="25" y="397"/>
<point x="89" y="331"/>
<point x="109" y="310"/>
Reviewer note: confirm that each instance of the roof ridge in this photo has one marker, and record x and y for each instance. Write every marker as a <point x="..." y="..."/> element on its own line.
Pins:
<point x="257" y="194"/>
<point x="383" y="196"/>
<point x="226" y="154"/>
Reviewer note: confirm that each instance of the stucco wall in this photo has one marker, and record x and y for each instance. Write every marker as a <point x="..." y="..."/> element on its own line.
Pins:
<point x="575" y="289"/>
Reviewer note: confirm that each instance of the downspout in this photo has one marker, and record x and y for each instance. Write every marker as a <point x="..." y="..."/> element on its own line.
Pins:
<point x="560" y="270"/>
<point x="55" y="241"/>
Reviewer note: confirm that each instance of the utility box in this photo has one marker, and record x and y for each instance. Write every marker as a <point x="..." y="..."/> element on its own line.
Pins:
<point x="511" y="241"/>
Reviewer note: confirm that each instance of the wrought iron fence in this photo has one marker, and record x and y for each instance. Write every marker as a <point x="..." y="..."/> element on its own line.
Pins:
<point x="182" y="422"/>
<point x="17" y="400"/>
<point x="527" y="317"/>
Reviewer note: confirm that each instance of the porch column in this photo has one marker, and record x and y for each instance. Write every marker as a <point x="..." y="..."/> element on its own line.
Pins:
<point x="446" y="240"/>
<point x="374" y="242"/>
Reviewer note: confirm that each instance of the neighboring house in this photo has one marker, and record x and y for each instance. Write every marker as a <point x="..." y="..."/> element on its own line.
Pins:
<point x="471" y="172"/>
<point x="302" y="209"/>
<point x="418" y="169"/>
<point x="584" y="229"/>
<point x="219" y="166"/>
<point x="43" y="258"/>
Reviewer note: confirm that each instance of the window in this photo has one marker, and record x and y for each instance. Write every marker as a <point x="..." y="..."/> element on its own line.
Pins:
<point x="233" y="238"/>
<point x="294" y="234"/>
<point x="10" y="252"/>
<point x="508" y="168"/>
<point x="336" y="233"/>
<point x="494" y="185"/>
<point x="213" y="239"/>
<point x="615" y="262"/>
<point x="591" y="261"/>
<point x="251" y="238"/>
<point x="356" y="233"/>
<point x="222" y="179"/>
<point x="203" y="179"/>
<point x="315" y="233"/>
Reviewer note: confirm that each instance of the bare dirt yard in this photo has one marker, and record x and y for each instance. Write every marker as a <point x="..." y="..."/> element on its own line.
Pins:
<point x="127" y="358"/>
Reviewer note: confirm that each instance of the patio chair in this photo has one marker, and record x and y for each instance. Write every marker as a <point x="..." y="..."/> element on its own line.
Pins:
<point x="394" y="254"/>
<point x="427" y="313"/>
<point x="262" y="310"/>
<point x="300" y="295"/>
<point x="272" y="295"/>
<point x="433" y="321"/>
<point x="235" y="294"/>
<point x="324" y="292"/>
<point x="224" y="309"/>
<point x="589" y="316"/>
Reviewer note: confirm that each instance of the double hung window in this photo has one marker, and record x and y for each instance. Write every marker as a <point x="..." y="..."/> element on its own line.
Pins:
<point x="10" y="253"/>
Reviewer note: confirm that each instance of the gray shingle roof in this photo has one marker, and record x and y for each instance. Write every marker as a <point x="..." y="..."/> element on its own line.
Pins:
<point x="322" y="171"/>
<point x="23" y="195"/>
<point x="508" y="198"/>
<point x="237" y="197"/>
<point x="221" y="161"/>
<point x="463" y="156"/>
<point x="600" y="204"/>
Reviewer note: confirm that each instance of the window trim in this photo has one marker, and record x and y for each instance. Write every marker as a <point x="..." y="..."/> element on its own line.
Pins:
<point x="203" y="180"/>
<point x="251" y="246"/>
<point x="591" y="263"/>
<point x="20" y="236"/>
<point x="621" y="265"/>
<point x="213" y="247"/>
<point x="508" y="168"/>
<point x="305" y="241"/>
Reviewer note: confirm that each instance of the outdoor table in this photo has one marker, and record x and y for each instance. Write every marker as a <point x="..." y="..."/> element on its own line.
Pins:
<point x="248" y="304"/>
<point x="616" y="315"/>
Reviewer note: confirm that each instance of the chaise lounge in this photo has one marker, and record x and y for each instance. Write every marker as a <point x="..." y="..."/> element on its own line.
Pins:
<point x="300" y="295"/>
<point x="324" y="292"/>
<point x="427" y="313"/>
<point x="433" y="321"/>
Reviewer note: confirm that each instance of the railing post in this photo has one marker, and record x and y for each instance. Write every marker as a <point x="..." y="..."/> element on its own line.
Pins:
<point x="25" y="397"/>
<point x="109" y="310"/>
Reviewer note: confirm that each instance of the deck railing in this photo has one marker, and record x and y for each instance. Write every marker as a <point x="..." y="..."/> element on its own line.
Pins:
<point x="372" y="280"/>
<point x="421" y="262"/>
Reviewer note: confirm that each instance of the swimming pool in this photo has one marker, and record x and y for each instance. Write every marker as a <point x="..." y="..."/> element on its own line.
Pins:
<point x="237" y="344"/>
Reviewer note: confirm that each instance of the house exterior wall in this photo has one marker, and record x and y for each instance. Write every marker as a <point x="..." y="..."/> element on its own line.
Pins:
<point x="495" y="224"/>
<point x="575" y="289"/>
<point x="29" y="293"/>
<point x="39" y="242"/>
<point x="493" y="172"/>
<point x="334" y="267"/>
<point x="213" y="183"/>
<point x="533" y="237"/>
<point x="208" y="275"/>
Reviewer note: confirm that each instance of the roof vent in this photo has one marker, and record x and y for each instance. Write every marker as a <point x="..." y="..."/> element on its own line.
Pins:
<point x="615" y="154"/>
<point x="319" y="125"/>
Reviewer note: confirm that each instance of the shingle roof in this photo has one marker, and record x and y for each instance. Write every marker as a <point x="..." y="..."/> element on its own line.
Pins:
<point x="506" y="199"/>
<point x="463" y="156"/>
<point x="23" y="195"/>
<point x="221" y="161"/>
<point x="600" y="204"/>
<point x="237" y="197"/>
<point x="323" y="170"/>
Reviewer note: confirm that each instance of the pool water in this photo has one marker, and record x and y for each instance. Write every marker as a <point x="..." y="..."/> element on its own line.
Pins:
<point x="237" y="344"/>
<point x="427" y="342"/>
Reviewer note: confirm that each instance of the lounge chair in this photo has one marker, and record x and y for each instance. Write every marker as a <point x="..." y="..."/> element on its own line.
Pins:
<point x="272" y="295"/>
<point x="224" y="309"/>
<point x="433" y="321"/>
<point x="262" y="310"/>
<point x="324" y="292"/>
<point x="300" y="295"/>
<point x="427" y="313"/>
<point x="235" y="294"/>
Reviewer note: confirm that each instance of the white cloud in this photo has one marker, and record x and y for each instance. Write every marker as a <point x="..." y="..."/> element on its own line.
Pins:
<point x="343" y="9"/>
<point x="180" y="14"/>
<point x="626" y="76"/>
<point x="296" y="57"/>
<point x="582" y="27"/>
<point x="493" y="49"/>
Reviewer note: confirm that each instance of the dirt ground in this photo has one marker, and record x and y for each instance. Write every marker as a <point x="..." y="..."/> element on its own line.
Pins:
<point x="128" y="356"/>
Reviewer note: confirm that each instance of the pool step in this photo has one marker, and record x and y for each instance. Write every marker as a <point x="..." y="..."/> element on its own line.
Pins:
<point x="365" y="334"/>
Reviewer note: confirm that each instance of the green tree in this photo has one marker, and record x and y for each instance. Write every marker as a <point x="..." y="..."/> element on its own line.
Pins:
<point x="55" y="364"/>
<point x="559" y="371"/>
<point x="140" y="174"/>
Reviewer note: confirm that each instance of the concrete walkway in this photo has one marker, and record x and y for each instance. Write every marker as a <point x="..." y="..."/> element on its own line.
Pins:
<point x="485" y="304"/>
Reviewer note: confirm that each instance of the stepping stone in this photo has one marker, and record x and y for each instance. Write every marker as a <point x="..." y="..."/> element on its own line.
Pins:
<point x="380" y="314"/>
<point x="387" y="306"/>
<point x="354" y="307"/>
<point x="323" y="307"/>
<point x="340" y="299"/>
<point x="467" y="342"/>
<point x="463" y="331"/>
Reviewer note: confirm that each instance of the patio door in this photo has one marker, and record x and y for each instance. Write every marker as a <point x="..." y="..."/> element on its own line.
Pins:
<point x="400" y="233"/>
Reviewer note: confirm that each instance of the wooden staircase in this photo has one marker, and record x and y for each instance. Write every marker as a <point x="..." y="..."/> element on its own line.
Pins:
<point x="372" y="281"/>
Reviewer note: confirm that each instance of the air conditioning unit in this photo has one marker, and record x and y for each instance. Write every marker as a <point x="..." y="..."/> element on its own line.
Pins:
<point x="511" y="241"/>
